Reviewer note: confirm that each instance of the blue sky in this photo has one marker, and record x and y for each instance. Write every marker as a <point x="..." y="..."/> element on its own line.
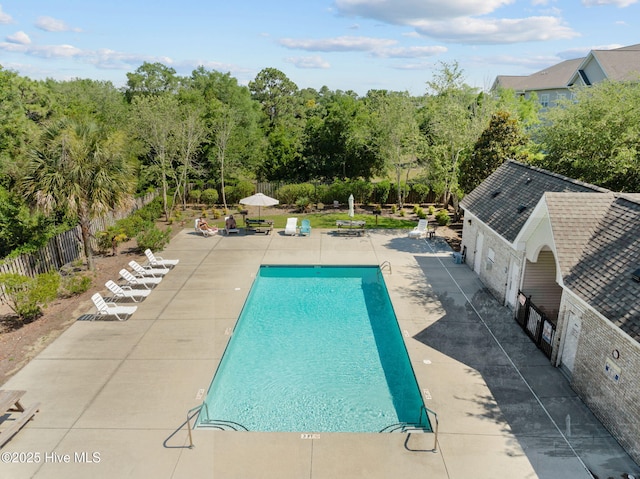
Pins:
<point x="344" y="44"/>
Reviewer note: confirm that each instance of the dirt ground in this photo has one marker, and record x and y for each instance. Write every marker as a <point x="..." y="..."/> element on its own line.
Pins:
<point x="19" y="342"/>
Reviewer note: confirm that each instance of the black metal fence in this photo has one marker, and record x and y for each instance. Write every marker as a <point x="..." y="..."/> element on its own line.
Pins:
<point x="534" y="322"/>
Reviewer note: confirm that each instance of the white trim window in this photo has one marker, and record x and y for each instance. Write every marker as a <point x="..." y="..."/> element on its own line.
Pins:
<point x="544" y="100"/>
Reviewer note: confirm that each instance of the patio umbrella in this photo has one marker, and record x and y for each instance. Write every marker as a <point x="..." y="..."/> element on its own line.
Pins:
<point x="351" y="212"/>
<point x="259" y="200"/>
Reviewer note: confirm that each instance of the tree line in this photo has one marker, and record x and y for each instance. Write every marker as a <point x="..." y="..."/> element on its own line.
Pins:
<point x="71" y="149"/>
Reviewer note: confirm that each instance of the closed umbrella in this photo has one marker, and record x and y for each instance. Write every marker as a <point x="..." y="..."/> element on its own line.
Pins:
<point x="259" y="200"/>
<point x="351" y="212"/>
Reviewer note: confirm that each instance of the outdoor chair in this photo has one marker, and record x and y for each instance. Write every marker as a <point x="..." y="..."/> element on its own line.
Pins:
<point x="126" y="291"/>
<point x="419" y="231"/>
<point x="292" y="227"/>
<point x="305" y="228"/>
<point x="112" y="309"/>
<point x="147" y="270"/>
<point x="205" y="232"/>
<point x="158" y="261"/>
<point x="147" y="281"/>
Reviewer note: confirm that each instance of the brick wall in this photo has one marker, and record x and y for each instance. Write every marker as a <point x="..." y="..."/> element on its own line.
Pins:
<point x="615" y="403"/>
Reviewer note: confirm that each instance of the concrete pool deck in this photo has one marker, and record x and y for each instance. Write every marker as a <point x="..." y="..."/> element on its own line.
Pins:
<point x="114" y="395"/>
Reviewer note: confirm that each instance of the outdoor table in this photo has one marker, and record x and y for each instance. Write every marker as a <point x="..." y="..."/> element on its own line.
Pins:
<point x="350" y="227"/>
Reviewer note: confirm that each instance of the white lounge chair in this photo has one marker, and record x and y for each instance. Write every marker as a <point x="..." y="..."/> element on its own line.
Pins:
<point x="112" y="309"/>
<point x="159" y="261"/>
<point x="146" y="281"/>
<point x="147" y="270"/>
<point x="127" y="291"/>
<point x="205" y="232"/>
<point x="419" y="231"/>
<point x="291" y="227"/>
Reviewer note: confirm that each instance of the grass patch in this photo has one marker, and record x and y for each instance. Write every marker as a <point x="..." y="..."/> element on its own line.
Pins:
<point x="328" y="221"/>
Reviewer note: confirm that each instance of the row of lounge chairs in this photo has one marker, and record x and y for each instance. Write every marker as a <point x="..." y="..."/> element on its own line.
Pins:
<point x="138" y="285"/>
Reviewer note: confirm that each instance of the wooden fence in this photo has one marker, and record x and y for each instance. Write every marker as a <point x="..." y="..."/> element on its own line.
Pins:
<point x="66" y="247"/>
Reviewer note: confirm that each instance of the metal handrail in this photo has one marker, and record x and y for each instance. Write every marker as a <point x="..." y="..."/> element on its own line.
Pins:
<point x="427" y="411"/>
<point x="197" y="408"/>
<point x="386" y="263"/>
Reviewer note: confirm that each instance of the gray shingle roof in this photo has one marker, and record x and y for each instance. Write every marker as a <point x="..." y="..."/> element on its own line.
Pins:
<point x="507" y="197"/>
<point x="574" y="218"/>
<point x="603" y="275"/>
<point x="596" y="233"/>
<point x="555" y="76"/>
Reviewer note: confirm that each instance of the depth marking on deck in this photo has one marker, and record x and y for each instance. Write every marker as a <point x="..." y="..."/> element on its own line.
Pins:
<point x="406" y="333"/>
<point x="427" y="394"/>
<point x="200" y="394"/>
<point x="228" y="331"/>
<point x="309" y="436"/>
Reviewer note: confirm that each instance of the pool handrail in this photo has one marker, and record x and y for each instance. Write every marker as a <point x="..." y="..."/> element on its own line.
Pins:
<point x="409" y="427"/>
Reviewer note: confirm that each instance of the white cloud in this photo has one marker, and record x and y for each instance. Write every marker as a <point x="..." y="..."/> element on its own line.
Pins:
<point x="583" y="51"/>
<point x="5" y="18"/>
<point x="313" y="62"/>
<point x="617" y="3"/>
<point x="19" y="37"/>
<point x="496" y="31"/>
<point x="410" y="52"/>
<point x="50" y="24"/>
<point x="407" y="11"/>
<point x="55" y="51"/>
<point x="377" y="47"/>
<point x="337" y="44"/>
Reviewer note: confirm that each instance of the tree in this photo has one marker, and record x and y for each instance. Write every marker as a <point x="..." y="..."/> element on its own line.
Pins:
<point x="151" y="79"/>
<point x="155" y="119"/>
<point x="454" y="117"/>
<point x="24" y="105"/>
<point x="236" y="143"/>
<point x="596" y="138"/>
<point x="397" y="133"/>
<point x="82" y="168"/>
<point x="501" y="140"/>
<point x="189" y="135"/>
<point x="277" y="95"/>
<point x="223" y="128"/>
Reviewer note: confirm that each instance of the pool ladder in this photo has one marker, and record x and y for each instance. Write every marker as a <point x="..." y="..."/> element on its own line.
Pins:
<point x="408" y="428"/>
<point x="221" y="424"/>
<point x="386" y="264"/>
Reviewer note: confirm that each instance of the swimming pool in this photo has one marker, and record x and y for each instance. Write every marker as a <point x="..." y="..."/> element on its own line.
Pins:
<point x="316" y="349"/>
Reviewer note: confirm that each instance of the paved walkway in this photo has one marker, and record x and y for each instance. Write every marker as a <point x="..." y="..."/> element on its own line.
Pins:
<point x="115" y="395"/>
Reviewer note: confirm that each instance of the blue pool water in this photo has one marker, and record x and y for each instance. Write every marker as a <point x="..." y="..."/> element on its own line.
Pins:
<point x="315" y="349"/>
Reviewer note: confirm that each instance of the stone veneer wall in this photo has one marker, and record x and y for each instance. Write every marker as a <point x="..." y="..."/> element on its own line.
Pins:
<point x="616" y="404"/>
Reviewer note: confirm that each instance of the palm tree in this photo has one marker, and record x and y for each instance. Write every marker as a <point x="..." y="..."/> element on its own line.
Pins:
<point x="80" y="168"/>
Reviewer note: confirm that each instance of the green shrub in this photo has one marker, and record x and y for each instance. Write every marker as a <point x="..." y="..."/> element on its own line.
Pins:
<point x="152" y="210"/>
<point x="195" y="195"/>
<point x="290" y="194"/>
<point x="242" y="190"/>
<point x="303" y="204"/>
<point x="442" y="217"/>
<point x="210" y="196"/>
<point x="27" y="296"/>
<point x="431" y="209"/>
<point x="153" y="238"/>
<point x="110" y="239"/>
<point x="380" y="192"/>
<point x="74" y="284"/>
<point x="133" y="225"/>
